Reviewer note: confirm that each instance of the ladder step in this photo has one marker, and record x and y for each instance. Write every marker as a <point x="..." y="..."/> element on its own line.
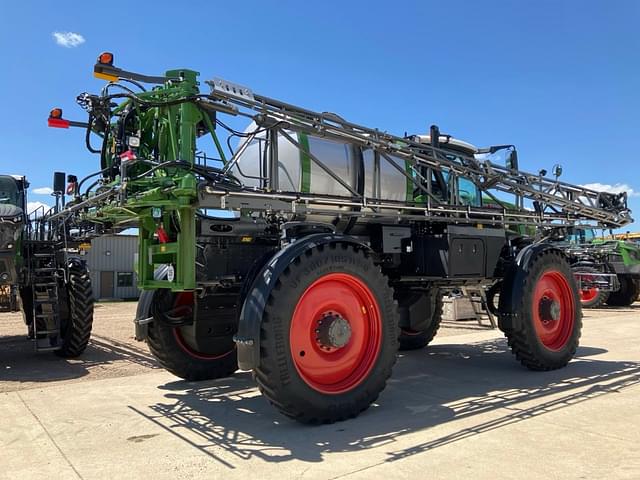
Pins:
<point x="47" y="349"/>
<point x="47" y="332"/>
<point x="46" y="269"/>
<point x="47" y="316"/>
<point x="49" y="284"/>
<point x="43" y="343"/>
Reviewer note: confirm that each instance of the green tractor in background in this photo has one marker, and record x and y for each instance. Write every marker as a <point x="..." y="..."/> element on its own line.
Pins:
<point x="618" y="258"/>
<point x="623" y="258"/>
<point x="40" y="273"/>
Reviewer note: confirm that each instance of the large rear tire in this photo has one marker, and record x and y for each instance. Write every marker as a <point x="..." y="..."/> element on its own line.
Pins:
<point x="170" y="345"/>
<point x="591" y="297"/>
<point x="415" y="339"/>
<point x="329" y="336"/>
<point x="77" y="319"/>
<point x="549" y="313"/>
<point x="627" y="294"/>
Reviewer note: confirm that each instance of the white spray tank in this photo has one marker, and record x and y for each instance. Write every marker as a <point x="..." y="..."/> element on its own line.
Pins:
<point x="362" y="169"/>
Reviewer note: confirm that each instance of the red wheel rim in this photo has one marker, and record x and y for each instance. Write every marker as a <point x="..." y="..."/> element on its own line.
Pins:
<point x="336" y="369"/>
<point x="185" y="299"/>
<point x="588" y="295"/>
<point x="553" y="310"/>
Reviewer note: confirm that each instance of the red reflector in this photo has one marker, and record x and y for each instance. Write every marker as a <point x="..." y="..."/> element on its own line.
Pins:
<point x="163" y="236"/>
<point x="58" y="123"/>
<point x="71" y="188"/>
<point x="128" y="155"/>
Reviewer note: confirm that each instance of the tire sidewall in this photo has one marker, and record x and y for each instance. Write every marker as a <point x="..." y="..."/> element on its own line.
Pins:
<point x="600" y="298"/>
<point x="563" y="355"/>
<point x="626" y="295"/>
<point x="164" y="346"/>
<point x="410" y="340"/>
<point x="311" y="268"/>
<point x="597" y="301"/>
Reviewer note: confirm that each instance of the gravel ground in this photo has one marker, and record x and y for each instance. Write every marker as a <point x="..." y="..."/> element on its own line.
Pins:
<point x="112" y="352"/>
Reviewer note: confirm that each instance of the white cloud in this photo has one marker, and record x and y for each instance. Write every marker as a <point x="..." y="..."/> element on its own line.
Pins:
<point x="42" y="191"/>
<point x="68" y="39"/>
<point x="617" y="188"/>
<point x="33" y="206"/>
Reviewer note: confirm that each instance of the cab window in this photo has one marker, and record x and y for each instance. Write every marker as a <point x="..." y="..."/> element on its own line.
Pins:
<point x="9" y="191"/>
<point x="468" y="192"/>
<point x="578" y="236"/>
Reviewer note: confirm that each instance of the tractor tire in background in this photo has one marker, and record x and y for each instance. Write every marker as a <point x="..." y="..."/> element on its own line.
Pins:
<point x="627" y="294"/>
<point x="76" y="314"/>
<point x="329" y="335"/>
<point x="591" y="297"/>
<point x="549" y="313"/>
<point x="415" y="339"/>
<point x="173" y="350"/>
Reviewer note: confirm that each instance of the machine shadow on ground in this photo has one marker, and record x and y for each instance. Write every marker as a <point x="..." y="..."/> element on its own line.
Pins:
<point x="20" y="363"/>
<point x="435" y="386"/>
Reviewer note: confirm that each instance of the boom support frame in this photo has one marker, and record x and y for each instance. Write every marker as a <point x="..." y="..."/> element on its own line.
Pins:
<point x="152" y="178"/>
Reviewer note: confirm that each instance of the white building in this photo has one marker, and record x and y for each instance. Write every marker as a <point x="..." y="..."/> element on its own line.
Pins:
<point x="111" y="263"/>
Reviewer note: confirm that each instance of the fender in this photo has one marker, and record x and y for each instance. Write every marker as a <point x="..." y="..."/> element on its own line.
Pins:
<point x="513" y="282"/>
<point x="585" y="263"/>
<point x="248" y="337"/>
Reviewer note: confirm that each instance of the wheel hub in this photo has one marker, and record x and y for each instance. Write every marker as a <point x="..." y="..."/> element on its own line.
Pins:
<point x="549" y="309"/>
<point x="333" y="331"/>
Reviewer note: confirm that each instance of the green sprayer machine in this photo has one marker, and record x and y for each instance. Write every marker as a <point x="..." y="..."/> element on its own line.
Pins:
<point x="41" y="271"/>
<point x="311" y="248"/>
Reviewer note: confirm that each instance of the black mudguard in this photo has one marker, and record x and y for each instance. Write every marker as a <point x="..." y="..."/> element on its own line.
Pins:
<point x="512" y="285"/>
<point x="248" y="337"/>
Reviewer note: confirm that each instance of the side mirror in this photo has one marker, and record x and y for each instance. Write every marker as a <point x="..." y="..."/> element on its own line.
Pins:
<point x="59" y="183"/>
<point x="512" y="159"/>
<point x="557" y="170"/>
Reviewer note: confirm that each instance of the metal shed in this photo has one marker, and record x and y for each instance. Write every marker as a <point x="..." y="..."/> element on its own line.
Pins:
<point x="111" y="263"/>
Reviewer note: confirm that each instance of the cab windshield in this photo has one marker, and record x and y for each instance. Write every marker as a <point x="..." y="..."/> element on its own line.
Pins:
<point x="578" y="236"/>
<point x="9" y="193"/>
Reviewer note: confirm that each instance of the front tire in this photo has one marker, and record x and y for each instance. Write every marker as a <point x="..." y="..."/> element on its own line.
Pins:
<point x="77" y="318"/>
<point x="627" y="294"/>
<point x="171" y="347"/>
<point x="329" y="336"/>
<point x="549" y="313"/>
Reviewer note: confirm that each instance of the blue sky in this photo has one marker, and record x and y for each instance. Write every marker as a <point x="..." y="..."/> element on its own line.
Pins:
<point x="557" y="78"/>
